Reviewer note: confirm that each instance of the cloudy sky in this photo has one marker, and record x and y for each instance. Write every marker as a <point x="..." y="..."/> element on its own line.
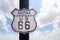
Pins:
<point x="47" y="17"/>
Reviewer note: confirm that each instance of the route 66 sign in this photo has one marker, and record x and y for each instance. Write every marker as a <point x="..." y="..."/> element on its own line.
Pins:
<point x="23" y="20"/>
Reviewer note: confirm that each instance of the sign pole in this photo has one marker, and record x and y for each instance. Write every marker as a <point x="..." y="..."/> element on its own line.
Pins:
<point x="23" y="4"/>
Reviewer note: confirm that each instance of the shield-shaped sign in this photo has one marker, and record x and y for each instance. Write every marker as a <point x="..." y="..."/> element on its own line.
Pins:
<point x="24" y="20"/>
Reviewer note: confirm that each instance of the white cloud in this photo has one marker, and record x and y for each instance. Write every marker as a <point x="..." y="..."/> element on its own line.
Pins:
<point x="6" y="28"/>
<point x="9" y="37"/>
<point x="3" y="21"/>
<point x="8" y="6"/>
<point x="49" y="12"/>
<point x="37" y="35"/>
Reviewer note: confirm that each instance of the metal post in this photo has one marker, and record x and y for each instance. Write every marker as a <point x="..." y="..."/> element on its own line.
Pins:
<point x="23" y="4"/>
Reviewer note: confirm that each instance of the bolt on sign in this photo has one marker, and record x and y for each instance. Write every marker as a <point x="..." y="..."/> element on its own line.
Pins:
<point x="23" y="20"/>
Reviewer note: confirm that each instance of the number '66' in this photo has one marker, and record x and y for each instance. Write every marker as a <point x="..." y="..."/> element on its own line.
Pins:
<point x="20" y="25"/>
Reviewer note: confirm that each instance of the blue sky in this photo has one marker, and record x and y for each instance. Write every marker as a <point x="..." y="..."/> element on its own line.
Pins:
<point x="47" y="17"/>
